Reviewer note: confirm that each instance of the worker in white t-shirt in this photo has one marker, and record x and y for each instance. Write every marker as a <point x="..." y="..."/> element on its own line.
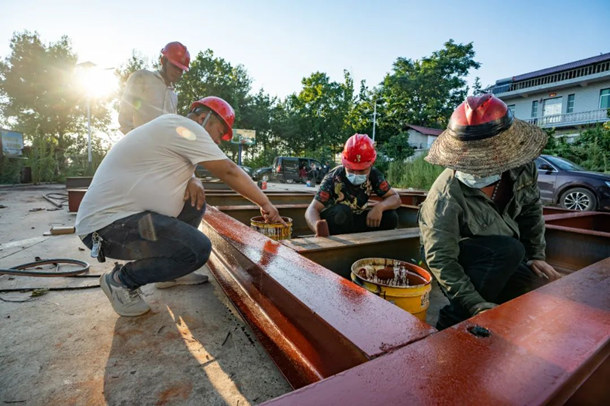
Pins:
<point x="145" y="204"/>
<point x="148" y="94"/>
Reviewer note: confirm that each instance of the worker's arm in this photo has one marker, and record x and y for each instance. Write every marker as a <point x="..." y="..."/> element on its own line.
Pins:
<point x="231" y="174"/>
<point x="126" y="107"/>
<point x="314" y="222"/>
<point x="390" y="201"/>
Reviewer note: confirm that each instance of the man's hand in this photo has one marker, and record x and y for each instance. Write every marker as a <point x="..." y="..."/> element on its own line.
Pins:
<point x="543" y="269"/>
<point x="271" y="215"/>
<point x="196" y="192"/>
<point x="322" y="228"/>
<point x="373" y="218"/>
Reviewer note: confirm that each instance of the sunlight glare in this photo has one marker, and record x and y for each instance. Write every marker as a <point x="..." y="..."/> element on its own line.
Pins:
<point x="96" y="82"/>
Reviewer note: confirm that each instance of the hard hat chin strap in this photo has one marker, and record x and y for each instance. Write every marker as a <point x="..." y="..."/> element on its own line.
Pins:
<point x="206" y="119"/>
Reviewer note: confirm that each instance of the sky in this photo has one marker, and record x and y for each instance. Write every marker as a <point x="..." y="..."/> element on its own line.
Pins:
<point x="281" y="42"/>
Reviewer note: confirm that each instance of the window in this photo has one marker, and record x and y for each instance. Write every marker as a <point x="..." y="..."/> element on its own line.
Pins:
<point x="511" y="107"/>
<point x="551" y="110"/>
<point x="604" y="99"/>
<point x="535" y="109"/>
<point x="570" y="107"/>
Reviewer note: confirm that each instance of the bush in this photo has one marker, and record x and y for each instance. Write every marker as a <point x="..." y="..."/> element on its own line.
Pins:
<point x="10" y="170"/>
<point x="417" y="174"/>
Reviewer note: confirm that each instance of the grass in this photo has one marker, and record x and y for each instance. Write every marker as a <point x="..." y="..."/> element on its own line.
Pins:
<point x="417" y="174"/>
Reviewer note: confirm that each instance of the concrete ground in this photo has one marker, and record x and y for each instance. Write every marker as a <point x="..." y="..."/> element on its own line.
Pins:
<point x="70" y="347"/>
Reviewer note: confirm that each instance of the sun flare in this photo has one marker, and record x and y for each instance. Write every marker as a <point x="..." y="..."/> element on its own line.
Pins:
<point x="96" y="82"/>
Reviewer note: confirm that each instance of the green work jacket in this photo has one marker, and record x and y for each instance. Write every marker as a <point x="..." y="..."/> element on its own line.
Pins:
<point x="452" y="212"/>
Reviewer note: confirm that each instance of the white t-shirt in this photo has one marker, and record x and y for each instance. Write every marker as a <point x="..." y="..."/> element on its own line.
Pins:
<point x="147" y="170"/>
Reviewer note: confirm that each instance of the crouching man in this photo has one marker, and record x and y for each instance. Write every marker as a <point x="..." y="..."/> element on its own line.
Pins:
<point x="145" y="205"/>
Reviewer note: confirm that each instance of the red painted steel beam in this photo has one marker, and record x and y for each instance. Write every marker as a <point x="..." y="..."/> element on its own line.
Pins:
<point x="312" y="322"/>
<point x="542" y="347"/>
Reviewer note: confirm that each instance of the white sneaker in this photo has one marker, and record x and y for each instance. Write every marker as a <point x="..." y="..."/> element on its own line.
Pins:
<point x="189" y="279"/>
<point x="125" y="302"/>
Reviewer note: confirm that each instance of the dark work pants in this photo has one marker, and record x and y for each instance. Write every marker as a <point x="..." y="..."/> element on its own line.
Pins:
<point x="162" y="248"/>
<point x="342" y="220"/>
<point x="496" y="268"/>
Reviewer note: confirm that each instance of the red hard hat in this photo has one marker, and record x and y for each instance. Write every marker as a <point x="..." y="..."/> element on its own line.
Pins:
<point x="177" y="54"/>
<point x="222" y="109"/>
<point x="358" y="153"/>
<point x="479" y="110"/>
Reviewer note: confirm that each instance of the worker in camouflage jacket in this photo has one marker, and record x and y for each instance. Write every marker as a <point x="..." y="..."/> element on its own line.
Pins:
<point x="482" y="228"/>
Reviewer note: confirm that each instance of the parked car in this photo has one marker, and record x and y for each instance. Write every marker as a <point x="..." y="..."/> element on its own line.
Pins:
<point x="246" y="169"/>
<point x="285" y="169"/>
<point x="260" y="172"/>
<point x="572" y="187"/>
<point x="201" y="172"/>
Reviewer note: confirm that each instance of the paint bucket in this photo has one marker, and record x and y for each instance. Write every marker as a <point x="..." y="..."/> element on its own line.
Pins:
<point x="275" y="231"/>
<point x="413" y="297"/>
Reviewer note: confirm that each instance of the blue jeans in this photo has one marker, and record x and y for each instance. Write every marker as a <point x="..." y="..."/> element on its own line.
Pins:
<point x="161" y="247"/>
<point x="342" y="220"/>
<point x="496" y="267"/>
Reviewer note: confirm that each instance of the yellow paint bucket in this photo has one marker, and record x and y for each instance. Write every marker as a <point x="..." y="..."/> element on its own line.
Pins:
<point x="410" y="290"/>
<point x="275" y="231"/>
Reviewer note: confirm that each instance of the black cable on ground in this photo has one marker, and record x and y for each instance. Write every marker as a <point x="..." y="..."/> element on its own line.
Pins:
<point x="22" y="269"/>
<point x="57" y="199"/>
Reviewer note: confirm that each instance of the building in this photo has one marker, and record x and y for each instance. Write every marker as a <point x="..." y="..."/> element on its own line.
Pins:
<point x="568" y="97"/>
<point x="420" y="138"/>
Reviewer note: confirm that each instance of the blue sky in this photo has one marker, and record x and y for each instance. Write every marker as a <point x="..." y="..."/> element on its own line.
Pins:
<point x="280" y="42"/>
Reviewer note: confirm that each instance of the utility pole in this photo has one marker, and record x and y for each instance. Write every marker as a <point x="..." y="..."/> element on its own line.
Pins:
<point x="374" y="119"/>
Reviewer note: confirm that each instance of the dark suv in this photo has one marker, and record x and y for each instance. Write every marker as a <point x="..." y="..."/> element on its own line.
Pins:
<point x="571" y="186"/>
<point x="285" y="169"/>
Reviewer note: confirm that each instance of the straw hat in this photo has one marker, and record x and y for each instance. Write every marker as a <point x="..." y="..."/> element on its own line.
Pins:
<point x="483" y="138"/>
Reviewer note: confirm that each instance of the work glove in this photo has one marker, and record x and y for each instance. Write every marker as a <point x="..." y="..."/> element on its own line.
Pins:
<point x="481" y="307"/>
<point x="322" y="228"/>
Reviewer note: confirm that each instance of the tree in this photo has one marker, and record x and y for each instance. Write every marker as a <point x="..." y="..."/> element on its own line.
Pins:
<point x="41" y="99"/>
<point x="425" y="92"/>
<point x="319" y="114"/>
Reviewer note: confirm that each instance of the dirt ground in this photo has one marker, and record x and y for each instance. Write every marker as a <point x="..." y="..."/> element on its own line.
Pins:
<point x="69" y="347"/>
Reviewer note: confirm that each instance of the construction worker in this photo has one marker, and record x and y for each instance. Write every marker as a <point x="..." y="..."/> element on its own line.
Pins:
<point x="147" y="94"/>
<point x="481" y="224"/>
<point x="145" y="204"/>
<point x="341" y="204"/>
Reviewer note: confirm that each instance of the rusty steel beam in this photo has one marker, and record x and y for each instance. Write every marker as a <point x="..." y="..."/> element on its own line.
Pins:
<point x="539" y="348"/>
<point x="578" y="239"/>
<point x="233" y="199"/>
<point x="312" y="322"/>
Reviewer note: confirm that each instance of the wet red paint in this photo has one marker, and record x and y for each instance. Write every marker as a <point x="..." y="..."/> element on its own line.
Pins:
<point x="313" y="322"/>
<point x="542" y="346"/>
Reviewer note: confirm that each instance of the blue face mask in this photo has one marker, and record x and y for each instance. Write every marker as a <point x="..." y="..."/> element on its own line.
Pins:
<point x="356" y="179"/>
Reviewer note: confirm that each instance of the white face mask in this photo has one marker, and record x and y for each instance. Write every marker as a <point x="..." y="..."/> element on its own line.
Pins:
<point x="356" y="179"/>
<point x="476" y="182"/>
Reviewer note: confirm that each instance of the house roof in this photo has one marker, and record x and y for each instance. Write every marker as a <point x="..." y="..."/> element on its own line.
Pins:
<point x="425" y="130"/>
<point x="565" y="66"/>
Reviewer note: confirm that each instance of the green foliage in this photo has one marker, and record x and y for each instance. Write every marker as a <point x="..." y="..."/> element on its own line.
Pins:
<point x="397" y="147"/>
<point x="10" y="170"/>
<point x="591" y="149"/>
<point x="417" y="174"/>
<point x="212" y="76"/>
<point x="425" y="92"/>
<point x="42" y="99"/>
<point x="316" y="117"/>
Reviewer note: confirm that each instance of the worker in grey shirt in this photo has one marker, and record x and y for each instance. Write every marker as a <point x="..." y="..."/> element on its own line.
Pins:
<point x="148" y="95"/>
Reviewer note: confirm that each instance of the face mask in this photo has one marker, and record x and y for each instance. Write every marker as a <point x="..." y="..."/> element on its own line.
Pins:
<point x="476" y="182"/>
<point x="356" y="179"/>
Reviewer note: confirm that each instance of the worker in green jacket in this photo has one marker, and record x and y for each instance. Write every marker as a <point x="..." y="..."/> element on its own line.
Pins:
<point x="481" y="224"/>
